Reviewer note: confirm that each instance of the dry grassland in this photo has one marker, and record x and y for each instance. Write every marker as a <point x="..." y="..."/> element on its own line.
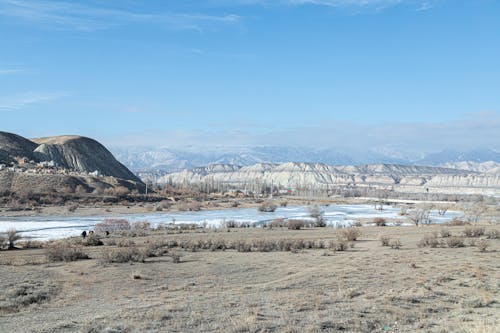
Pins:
<point x="365" y="288"/>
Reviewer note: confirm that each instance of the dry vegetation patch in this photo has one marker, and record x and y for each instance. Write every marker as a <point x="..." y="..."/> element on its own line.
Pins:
<point x="265" y="280"/>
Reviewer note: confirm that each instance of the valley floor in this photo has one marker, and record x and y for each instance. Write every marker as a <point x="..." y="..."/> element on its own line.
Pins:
<point x="367" y="288"/>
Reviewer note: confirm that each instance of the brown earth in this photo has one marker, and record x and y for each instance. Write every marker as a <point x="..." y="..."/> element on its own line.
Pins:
<point x="368" y="288"/>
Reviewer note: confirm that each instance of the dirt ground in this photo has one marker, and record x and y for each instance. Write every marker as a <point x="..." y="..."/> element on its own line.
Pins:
<point x="367" y="288"/>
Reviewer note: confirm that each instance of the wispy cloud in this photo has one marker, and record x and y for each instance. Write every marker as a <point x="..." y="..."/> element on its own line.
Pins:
<point x="67" y="15"/>
<point x="353" y="4"/>
<point x="478" y="130"/>
<point x="11" y="71"/>
<point x="26" y="99"/>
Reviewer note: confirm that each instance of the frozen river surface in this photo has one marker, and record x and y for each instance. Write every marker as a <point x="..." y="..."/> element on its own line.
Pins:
<point x="53" y="227"/>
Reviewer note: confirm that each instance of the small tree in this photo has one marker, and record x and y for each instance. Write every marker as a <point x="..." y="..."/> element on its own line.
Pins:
<point x="12" y="237"/>
<point x="474" y="212"/>
<point x="420" y="215"/>
<point x="318" y="214"/>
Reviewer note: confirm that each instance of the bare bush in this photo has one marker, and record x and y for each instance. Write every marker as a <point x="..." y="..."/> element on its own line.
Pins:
<point x="350" y="234"/>
<point x="10" y="237"/>
<point x="445" y="233"/>
<point x="455" y="242"/>
<point x="141" y="225"/>
<point x="456" y="222"/>
<point x="473" y="232"/>
<point x="112" y="225"/>
<point x="395" y="244"/>
<point x="384" y="240"/>
<point x="318" y="214"/>
<point x="420" y="215"/>
<point x="429" y="240"/>
<point x="130" y="254"/>
<point x="482" y="245"/>
<point x="493" y="234"/>
<point x="380" y="222"/>
<point x="267" y="207"/>
<point x="65" y="252"/>
<point x="295" y="224"/>
<point x="189" y="206"/>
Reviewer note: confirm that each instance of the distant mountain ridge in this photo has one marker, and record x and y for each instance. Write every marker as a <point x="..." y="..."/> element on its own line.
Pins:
<point x="170" y="160"/>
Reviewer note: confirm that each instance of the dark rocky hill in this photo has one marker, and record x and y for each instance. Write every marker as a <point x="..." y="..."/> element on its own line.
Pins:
<point x="78" y="154"/>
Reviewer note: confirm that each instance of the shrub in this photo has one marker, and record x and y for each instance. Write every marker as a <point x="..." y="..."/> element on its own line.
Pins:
<point x="92" y="240"/>
<point x="189" y="206"/>
<point x="72" y="208"/>
<point x="156" y="249"/>
<point x="473" y="232"/>
<point x="125" y="243"/>
<point x="112" y="225"/>
<point x="493" y="234"/>
<point x="456" y="222"/>
<point x="454" y="242"/>
<point x="176" y="258"/>
<point x="385" y="240"/>
<point x="141" y="225"/>
<point x="350" y="234"/>
<point x="131" y="254"/>
<point x="395" y="244"/>
<point x="267" y="207"/>
<point x="338" y="245"/>
<point x="380" y="222"/>
<point x="10" y="237"/>
<point x="65" y="252"/>
<point x="277" y="223"/>
<point x="445" y="233"/>
<point x="429" y="240"/>
<point x="318" y="214"/>
<point x="483" y="245"/>
<point x="295" y="224"/>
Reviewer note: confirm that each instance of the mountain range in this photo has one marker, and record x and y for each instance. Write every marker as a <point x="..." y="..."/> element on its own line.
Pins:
<point x="149" y="159"/>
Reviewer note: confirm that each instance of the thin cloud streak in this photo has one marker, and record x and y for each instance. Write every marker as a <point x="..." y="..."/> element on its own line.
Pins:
<point x="26" y="99"/>
<point x="479" y="130"/>
<point x="86" y="18"/>
<point x="11" y="71"/>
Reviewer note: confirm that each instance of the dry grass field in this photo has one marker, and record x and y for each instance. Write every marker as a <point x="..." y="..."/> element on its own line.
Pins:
<point x="313" y="287"/>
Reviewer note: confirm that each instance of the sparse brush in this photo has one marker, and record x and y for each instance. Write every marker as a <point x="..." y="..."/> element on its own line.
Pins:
<point x="156" y="249"/>
<point x="385" y="240"/>
<point x="493" y="234"/>
<point x="125" y="243"/>
<point x="65" y="252"/>
<point x="473" y="232"/>
<point x="92" y="240"/>
<point x="267" y="207"/>
<point x="338" y="245"/>
<point x="445" y="233"/>
<point x="295" y="224"/>
<point x="429" y="240"/>
<point x="456" y="222"/>
<point x="395" y="244"/>
<point x="131" y="254"/>
<point x="141" y="225"/>
<point x="454" y="242"/>
<point x="380" y="222"/>
<point x="176" y="258"/>
<point x="350" y="234"/>
<point x="482" y="245"/>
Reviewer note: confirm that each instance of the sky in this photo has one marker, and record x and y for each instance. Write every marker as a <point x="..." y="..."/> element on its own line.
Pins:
<point x="396" y="74"/>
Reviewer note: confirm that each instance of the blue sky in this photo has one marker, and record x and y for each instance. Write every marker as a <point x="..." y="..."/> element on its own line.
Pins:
<point x="406" y="74"/>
